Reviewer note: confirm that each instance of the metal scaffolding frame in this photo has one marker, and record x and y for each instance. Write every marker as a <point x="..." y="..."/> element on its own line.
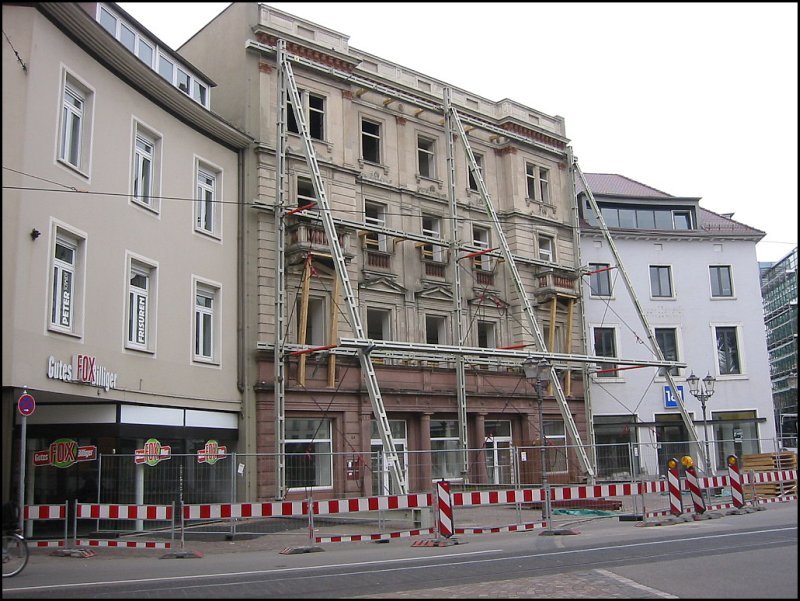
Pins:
<point x="365" y="348"/>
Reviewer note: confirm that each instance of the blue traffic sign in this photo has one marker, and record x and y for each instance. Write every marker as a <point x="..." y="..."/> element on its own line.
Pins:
<point x="26" y="404"/>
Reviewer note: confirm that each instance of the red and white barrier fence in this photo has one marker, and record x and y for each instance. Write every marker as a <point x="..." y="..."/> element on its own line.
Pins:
<point x="107" y="511"/>
<point x="47" y="512"/>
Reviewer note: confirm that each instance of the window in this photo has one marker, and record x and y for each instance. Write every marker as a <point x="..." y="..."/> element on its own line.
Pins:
<point x="735" y="433"/>
<point x="370" y="141"/>
<point x="206" y="318"/>
<point x="146" y="163"/>
<point x="75" y="132"/>
<point x="605" y="346"/>
<point x="309" y="458"/>
<point x="431" y="226"/>
<point x="613" y="435"/>
<point x="538" y="183"/>
<point x="667" y="340"/>
<point x="374" y="214"/>
<point x="145" y="53"/>
<point x="314" y="325"/>
<point x="682" y="220"/>
<point x="435" y="332"/>
<point x="728" y="359"/>
<point x="599" y="279"/>
<point x="721" y="282"/>
<point x="471" y="181"/>
<point x="486" y="334"/>
<point x="200" y="93"/>
<point x="445" y="450"/>
<point x="382" y="481"/>
<point x="426" y="157"/>
<point x="560" y="341"/>
<point x="555" y="438"/>
<point x="108" y="21"/>
<point x="313" y="108"/>
<point x="546" y="248"/>
<point x="126" y="34"/>
<point x="166" y="68"/>
<point x="305" y="193"/>
<point x="207" y="205"/>
<point x="141" y="300"/>
<point x="378" y="324"/>
<point x="67" y="266"/>
<point x="183" y="81"/>
<point x="480" y="238"/>
<point x="660" y="281"/>
<point x="544" y="185"/>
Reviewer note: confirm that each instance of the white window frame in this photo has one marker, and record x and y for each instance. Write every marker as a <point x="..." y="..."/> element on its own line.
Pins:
<point x="432" y="252"/>
<point x="426" y="156"/>
<point x="322" y="442"/>
<point x="140" y="304"/>
<point x="65" y="313"/>
<point x="152" y="198"/>
<point x="449" y="449"/>
<point x="208" y="199"/>
<point x="75" y="121"/>
<point x="481" y="239"/>
<point x="375" y="214"/>
<point x="206" y="324"/>
<point x="537" y="180"/>
<point x="139" y="40"/>
<point x="555" y="445"/>
<point x="547" y="254"/>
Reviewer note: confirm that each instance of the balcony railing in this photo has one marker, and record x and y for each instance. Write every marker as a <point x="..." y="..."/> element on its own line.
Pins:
<point x="562" y="283"/>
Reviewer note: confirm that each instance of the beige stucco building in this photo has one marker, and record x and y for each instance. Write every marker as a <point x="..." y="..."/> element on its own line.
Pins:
<point x="121" y="210"/>
<point x="383" y="160"/>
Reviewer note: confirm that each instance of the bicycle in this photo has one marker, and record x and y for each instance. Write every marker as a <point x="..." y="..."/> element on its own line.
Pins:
<point x="15" y="553"/>
<point x="15" y="547"/>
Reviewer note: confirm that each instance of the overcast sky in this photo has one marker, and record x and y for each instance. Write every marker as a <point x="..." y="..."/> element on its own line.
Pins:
<point x="694" y="99"/>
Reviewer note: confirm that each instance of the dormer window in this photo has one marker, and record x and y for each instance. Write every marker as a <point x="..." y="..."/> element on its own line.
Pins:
<point x="168" y="67"/>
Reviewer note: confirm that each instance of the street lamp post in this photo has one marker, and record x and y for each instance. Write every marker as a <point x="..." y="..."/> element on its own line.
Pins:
<point x="537" y="373"/>
<point x="703" y="392"/>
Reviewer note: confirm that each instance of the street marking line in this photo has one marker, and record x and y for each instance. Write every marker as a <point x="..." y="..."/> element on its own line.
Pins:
<point x="634" y="584"/>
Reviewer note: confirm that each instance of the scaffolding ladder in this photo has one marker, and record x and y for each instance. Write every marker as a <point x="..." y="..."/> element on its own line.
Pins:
<point x="569" y="422"/>
<point x="287" y="82"/>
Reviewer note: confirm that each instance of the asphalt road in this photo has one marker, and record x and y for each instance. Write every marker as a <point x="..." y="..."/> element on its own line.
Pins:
<point x="742" y="556"/>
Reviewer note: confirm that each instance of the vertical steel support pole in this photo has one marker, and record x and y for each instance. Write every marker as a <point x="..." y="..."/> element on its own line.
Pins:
<point x="280" y="280"/>
<point x="458" y="306"/>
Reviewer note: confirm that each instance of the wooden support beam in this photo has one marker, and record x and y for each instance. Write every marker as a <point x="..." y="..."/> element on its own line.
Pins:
<point x="570" y="308"/>
<point x="301" y="368"/>
<point x="333" y="330"/>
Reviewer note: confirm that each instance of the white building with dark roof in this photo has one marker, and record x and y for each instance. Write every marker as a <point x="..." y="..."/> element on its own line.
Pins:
<point x="696" y="278"/>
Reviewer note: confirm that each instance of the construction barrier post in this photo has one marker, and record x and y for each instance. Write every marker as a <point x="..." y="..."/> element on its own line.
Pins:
<point x="674" y="486"/>
<point x="693" y="485"/>
<point x="737" y="494"/>
<point x="445" y="506"/>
